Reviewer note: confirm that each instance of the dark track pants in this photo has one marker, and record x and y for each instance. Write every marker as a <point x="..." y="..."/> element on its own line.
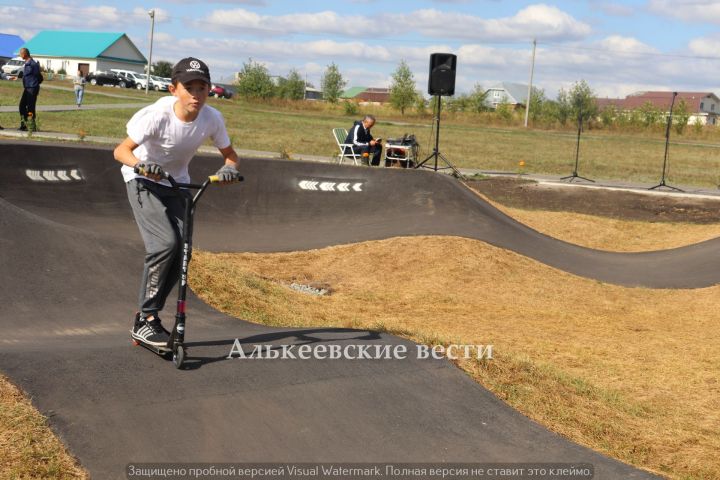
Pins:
<point x="374" y="153"/>
<point x="27" y="103"/>
<point x="159" y="213"/>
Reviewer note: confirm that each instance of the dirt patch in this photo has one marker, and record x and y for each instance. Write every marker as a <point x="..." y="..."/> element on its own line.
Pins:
<point x="530" y="195"/>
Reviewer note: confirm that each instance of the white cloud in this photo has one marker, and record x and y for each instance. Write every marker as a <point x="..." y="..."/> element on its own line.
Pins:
<point x="56" y="16"/>
<point x="628" y="45"/>
<point x="613" y="9"/>
<point x="540" y="21"/>
<point x="480" y="55"/>
<point x="621" y="90"/>
<point x="704" y="11"/>
<point x="709" y="47"/>
<point x="535" y="21"/>
<point x="241" y="50"/>
<point x="361" y="77"/>
<point x="241" y="21"/>
<point x="163" y="38"/>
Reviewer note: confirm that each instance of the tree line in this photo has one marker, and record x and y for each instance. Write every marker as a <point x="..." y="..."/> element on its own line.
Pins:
<point x="575" y="104"/>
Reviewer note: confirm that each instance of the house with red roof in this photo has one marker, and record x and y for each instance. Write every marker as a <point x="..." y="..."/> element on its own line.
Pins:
<point x="367" y="95"/>
<point x="702" y="106"/>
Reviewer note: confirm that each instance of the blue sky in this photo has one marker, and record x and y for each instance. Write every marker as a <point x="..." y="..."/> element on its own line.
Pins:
<point x="617" y="47"/>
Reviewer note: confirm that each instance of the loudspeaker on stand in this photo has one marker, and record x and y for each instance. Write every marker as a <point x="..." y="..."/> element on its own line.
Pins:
<point x="441" y="80"/>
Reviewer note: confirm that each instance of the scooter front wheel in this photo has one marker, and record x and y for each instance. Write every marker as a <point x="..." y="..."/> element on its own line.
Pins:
<point x="178" y="356"/>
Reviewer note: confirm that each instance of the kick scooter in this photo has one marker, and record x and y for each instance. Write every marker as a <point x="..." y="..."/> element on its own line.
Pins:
<point x="175" y="345"/>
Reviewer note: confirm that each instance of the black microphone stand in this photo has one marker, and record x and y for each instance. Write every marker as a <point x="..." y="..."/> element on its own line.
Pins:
<point x="667" y="144"/>
<point x="577" y="154"/>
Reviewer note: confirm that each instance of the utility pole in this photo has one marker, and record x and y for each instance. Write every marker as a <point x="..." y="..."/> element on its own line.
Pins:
<point x="152" y="31"/>
<point x="532" y="71"/>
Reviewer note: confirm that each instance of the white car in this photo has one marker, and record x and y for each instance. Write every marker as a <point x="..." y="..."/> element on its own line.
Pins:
<point x="159" y="84"/>
<point x="14" y="67"/>
<point x="139" y="78"/>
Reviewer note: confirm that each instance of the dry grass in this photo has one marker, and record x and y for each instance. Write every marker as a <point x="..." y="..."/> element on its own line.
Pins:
<point x="630" y="372"/>
<point x="610" y="234"/>
<point x="28" y="448"/>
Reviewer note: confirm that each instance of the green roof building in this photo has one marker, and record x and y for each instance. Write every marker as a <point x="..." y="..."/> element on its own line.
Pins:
<point x="352" y="92"/>
<point x="87" y="51"/>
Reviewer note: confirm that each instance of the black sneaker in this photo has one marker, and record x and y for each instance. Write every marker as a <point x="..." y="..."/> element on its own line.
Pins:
<point x="150" y="332"/>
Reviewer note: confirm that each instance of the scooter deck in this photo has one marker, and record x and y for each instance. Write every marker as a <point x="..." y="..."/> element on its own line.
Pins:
<point x="160" y="350"/>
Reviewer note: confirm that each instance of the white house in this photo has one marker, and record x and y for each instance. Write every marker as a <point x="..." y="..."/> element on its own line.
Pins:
<point x="506" y="92"/>
<point x="87" y="51"/>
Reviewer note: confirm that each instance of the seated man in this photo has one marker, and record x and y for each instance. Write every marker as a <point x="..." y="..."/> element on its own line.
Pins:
<point x="362" y="140"/>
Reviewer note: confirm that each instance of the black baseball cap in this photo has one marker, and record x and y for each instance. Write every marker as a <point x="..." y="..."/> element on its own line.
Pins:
<point x="189" y="69"/>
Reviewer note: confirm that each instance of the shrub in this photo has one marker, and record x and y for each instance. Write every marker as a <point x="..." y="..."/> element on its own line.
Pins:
<point x="350" y="107"/>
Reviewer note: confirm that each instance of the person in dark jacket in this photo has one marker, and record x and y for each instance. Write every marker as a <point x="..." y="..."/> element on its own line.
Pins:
<point x="31" y="89"/>
<point x="362" y="140"/>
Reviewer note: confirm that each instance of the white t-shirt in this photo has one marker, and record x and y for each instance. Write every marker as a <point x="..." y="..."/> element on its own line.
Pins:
<point x="169" y="142"/>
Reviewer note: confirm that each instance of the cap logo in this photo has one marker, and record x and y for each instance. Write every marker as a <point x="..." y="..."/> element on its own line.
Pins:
<point x="195" y="64"/>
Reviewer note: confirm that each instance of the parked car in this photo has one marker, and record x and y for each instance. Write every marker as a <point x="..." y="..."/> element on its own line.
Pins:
<point x="159" y="84"/>
<point x="220" y="91"/>
<point x="110" y="78"/>
<point x="139" y="79"/>
<point x="14" y="67"/>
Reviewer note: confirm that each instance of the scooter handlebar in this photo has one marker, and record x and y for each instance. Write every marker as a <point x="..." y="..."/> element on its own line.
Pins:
<point x="216" y="179"/>
<point x="211" y="179"/>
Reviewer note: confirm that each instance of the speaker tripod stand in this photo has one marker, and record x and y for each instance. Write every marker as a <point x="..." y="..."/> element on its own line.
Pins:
<point x="436" y="154"/>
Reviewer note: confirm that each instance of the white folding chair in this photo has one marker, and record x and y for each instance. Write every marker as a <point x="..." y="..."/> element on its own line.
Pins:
<point x="346" y="150"/>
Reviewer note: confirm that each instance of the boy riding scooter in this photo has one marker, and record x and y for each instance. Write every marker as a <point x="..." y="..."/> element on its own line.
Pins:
<point x="162" y="140"/>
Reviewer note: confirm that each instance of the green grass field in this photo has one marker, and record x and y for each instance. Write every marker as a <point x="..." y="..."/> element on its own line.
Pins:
<point x="468" y="141"/>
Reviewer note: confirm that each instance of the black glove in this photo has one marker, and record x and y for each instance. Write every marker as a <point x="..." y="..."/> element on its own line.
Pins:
<point x="151" y="170"/>
<point x="228" y="174"/>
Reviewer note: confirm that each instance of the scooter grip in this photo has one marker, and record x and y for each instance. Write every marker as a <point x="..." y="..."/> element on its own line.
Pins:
<point x="141" y="171"/>
<point x="216" y="179"/>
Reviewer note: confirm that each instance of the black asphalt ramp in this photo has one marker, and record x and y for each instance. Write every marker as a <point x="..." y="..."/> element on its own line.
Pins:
<point x="70" y="258"/>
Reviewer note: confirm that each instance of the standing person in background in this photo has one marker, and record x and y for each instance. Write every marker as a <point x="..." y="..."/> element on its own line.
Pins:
<point x="31" y="89"/>
<point x="2" y="77"/>
<point x="79" y="84"/>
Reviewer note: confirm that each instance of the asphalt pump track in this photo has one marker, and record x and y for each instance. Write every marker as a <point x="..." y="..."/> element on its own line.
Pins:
<point x="71" y="258"/>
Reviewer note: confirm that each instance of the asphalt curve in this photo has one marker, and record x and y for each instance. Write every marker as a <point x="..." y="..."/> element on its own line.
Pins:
<point x="70" y="258"/>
